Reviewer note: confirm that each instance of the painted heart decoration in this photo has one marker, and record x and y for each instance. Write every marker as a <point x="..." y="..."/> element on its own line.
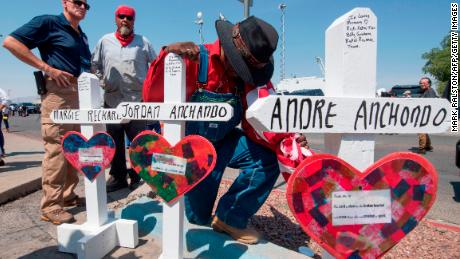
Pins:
<point x="361" y="215"/>
<point x="90" y="157"/>
<point x="171" y="171"/>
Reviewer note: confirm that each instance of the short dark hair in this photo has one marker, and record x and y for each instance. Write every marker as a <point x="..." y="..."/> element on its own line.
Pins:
<point x="385" y="94"/>
<point x="427" y="78"/>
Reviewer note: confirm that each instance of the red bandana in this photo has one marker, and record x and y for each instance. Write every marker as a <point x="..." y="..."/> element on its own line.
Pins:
<point x="125" y="10"/>
<point x="124" y="41"/>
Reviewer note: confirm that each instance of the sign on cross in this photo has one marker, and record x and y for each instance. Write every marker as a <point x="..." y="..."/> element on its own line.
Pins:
<point x="312" y="114"/>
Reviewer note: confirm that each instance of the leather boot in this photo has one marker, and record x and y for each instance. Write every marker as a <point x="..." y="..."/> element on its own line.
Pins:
<point x="58" y="216"/>
<point x="246" y="236"/>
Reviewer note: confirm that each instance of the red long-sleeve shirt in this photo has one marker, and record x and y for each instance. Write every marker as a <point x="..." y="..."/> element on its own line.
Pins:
<point x="218" y="82"/>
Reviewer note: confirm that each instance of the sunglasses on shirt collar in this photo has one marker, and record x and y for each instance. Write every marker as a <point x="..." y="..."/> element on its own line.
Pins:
<point x="80" y="3"/>
<point x="122" y="16"/>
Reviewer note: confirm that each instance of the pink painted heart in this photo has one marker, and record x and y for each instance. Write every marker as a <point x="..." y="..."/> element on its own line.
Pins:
<point x="90" y="157"/>
<point x="320" y="194"/>
<point x="171" y="171"/>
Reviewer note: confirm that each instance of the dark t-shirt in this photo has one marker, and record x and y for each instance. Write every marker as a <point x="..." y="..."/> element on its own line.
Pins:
<point x="429" y="93"/>
<point x="59" y="44"/>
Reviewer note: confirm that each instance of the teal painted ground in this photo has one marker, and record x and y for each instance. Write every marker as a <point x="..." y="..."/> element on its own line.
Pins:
<point x="199" y="241"/>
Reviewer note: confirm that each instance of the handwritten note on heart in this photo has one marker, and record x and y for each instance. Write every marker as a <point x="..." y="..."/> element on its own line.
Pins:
<point x="356" y="214"/>
<point x="89" y="157"/>
<point x="171" y="171"/>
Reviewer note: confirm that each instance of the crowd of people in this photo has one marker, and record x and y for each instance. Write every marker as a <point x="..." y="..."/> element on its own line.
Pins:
<point x="4" y="103"/>
<point x="7" y="109"/>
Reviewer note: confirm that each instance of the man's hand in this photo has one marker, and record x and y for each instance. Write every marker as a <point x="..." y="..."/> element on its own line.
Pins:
<point x="185" y="49"/>
<point x="62" y="78"/>
<point x="302" y="140"/>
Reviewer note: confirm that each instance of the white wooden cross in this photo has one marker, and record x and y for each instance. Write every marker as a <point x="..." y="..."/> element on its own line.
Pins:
<point x="101" y="232"/>
<point x="349" y="114"/>
<point x="174" y="111"/>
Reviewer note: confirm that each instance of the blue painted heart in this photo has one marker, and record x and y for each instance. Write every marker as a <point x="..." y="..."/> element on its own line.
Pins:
<point x="89" y="157"/>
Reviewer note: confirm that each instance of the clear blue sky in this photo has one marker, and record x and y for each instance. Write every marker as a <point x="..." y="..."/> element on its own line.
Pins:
<point x="406" y="29"/>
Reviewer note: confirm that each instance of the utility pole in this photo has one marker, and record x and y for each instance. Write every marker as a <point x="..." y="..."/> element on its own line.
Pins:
<point x="199" y="21"/>
<point x="320" y="62"/>
<point x="282" y="7"/>
<point x="247" y="5"/>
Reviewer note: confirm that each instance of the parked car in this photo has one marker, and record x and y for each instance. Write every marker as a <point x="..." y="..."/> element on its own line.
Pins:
<point x="30" y="107"/>
<point x="398" y="90"/>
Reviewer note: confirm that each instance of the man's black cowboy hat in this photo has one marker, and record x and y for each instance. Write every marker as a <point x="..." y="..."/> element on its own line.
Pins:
<point x="249" y="46"/>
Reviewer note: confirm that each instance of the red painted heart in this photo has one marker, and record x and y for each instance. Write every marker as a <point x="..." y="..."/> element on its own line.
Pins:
<point x="171" y="171"/>
<point x="361" y="215"/>
<point x="90" y="157"/>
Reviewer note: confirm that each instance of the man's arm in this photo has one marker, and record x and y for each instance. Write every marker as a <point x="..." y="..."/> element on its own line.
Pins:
<point x="185" y="49"/>
<point x="23" y="53"/>
<point x="96" y="63"/>
<point x="149" y="51"/>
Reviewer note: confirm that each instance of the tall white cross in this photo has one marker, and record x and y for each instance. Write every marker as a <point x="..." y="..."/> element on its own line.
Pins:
<point x="174" y="131"/>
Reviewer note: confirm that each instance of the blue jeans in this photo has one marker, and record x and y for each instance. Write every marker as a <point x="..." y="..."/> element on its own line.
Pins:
<point x="215" y="131"/>
<point x="259" y="171"/>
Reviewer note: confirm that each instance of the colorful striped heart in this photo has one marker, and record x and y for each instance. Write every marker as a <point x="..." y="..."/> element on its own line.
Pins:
<point x="361" y="215"/>
<point x="171" y="171"/>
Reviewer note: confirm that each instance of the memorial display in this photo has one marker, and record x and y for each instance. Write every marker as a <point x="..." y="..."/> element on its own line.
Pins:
<point x="349" y="210"/>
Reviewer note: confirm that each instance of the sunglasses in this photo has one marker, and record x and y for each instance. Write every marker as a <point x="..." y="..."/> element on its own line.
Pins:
<point x="80" y="4"/>
<point x="122" y="16"/>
